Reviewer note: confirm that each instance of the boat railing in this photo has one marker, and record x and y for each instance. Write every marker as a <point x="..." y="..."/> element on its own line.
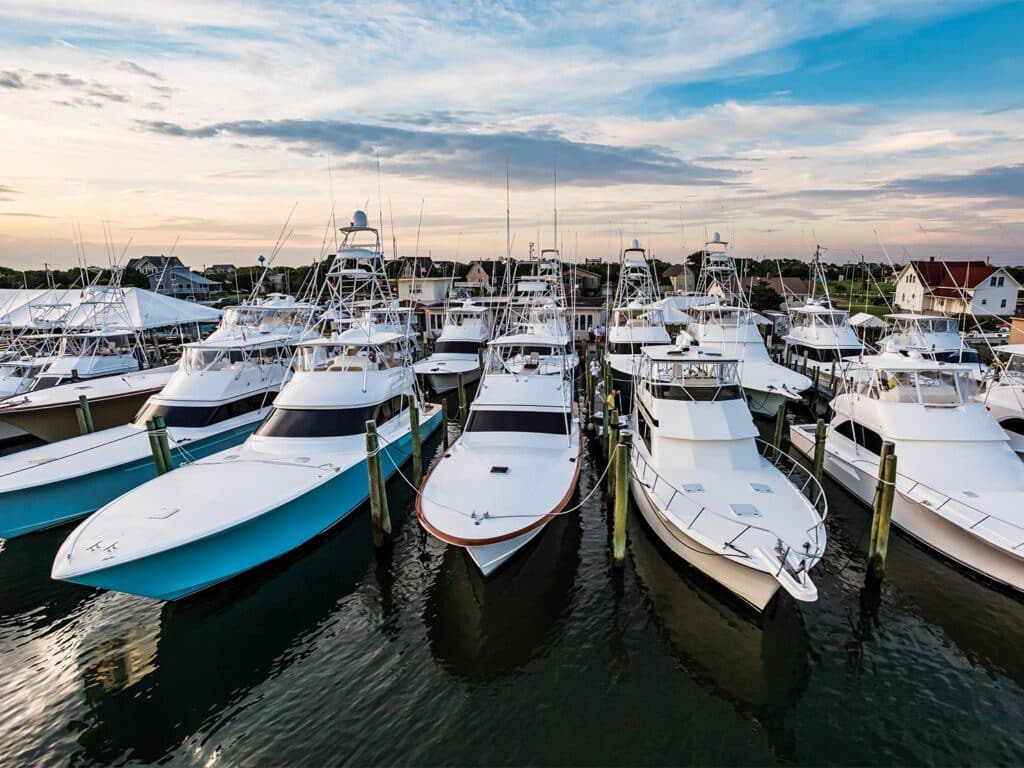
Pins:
<point x="815" y="532"/>
<point x="944" y="499"/>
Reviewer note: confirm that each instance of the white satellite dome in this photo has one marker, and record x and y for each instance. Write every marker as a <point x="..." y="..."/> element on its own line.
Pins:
<point x="717" y="238"/>
<point x="636" y="243"/>
<point x="359" y="219"/>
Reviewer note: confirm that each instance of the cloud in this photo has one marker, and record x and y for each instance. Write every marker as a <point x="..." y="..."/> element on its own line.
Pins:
<point x="998" y="181"/>
<point x="90" y="90"/>
<point x="7" y="193"/>
<point x="136" y="69"/>
<point x="467" y="155"/>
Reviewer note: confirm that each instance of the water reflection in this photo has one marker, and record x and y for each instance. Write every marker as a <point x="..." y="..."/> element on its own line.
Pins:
<point x="759" y="664"/>
<point x="29" y="598"/>
<point x="482" y="629"/>
<point x="212" y="650"/>
<point x="985" y="622"/>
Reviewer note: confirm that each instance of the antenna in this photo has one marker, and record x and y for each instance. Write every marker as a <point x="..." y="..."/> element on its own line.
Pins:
<point x="508" y="213"/>
<point x="555" y="241"/>
<point x="380" y="197"/>
<point x="416" y="253"/>
<point x="394" y="240"/>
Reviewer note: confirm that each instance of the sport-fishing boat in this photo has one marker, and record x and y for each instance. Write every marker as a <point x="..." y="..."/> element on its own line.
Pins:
<point x="819" y="332"/>
<point x="727" y="326"/>
<point x="303" y="471"/>
<point x="467" y="327"/>
<point x="222" y="389"/>
<point x="730" y="505"/>
<point x="959" y="485"/>
<point x="936" y="338"/>
<point x="822" y="334"/>
<point x="1002" y="392"/>
<point x="100" y="354"/>
<point x="637" y="320"/>
<point x="732" y="333"/>
<point x="516" y="464"/>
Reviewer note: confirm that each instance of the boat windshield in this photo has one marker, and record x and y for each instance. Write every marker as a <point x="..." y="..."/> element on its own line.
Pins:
<point x="202" y="359"/>
<point x="258" y="317"/>
<point x="925" y="387"/>
<point x="820" y="319"/>
<point x="1012" y="363"/>
<point x="692" y="380"/>
<point x="81" y="346"/>
<point x="345" y="357"/>
<point x="638" y="317"/>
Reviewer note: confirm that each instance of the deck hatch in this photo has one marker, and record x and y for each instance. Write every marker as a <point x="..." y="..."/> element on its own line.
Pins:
<point x="693" y="487"/>
<point x="745" y="510"/>
<point x="499" y="470"/>
<point x="761" y="488"/>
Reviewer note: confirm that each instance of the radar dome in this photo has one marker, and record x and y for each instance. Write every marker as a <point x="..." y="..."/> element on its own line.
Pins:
<point x="717" y="238"/>
<point x="359" y="219"/>
<point x="636" y="243"/>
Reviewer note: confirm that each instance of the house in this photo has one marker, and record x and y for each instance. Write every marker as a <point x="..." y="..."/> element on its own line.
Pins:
<point x="956" y="287"/>
<point x="152" y="265"/>
<point x="181" y="282"/>
<point x="409" y="267"/>
<point x="490" y="275"/>
<point x="787" y="287"/>
<point x="221" y="270"/>
<point x="681" y="278"/>
<point x="424" y="290"/>
<point x="586" y="283"/>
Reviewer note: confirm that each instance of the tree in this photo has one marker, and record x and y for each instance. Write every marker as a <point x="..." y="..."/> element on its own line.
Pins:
<point x="763" y="296"/>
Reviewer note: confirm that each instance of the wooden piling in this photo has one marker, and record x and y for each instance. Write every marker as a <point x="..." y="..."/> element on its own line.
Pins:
<point x="154" y="447"/>
<point x="803" y="368"/>
<point x="780" y="426"/>
<point x="832" y="380"/>
<point x="80" y="417"/>
<point x="611" y="440"/>
<point x="86" y="421"/>
<point x="444" y="423"/>
<point x="880" y="526"/>
<point x="819" y="449"/>
<point x="876" y="504"/>
<point x="789" y="355"/>
<point x="163" y="442"/>
<point x="378" y="492"/>
<point x="624" y="446"/>
<point x="417" y="444"/>
<point x="463" y="408"/>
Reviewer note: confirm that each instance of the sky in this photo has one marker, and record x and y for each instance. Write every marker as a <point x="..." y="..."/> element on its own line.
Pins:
<point x="212" y="126"/>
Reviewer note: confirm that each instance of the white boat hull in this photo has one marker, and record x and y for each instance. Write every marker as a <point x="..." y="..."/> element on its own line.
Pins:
<point x="765" y="403"/>
<point x="916" y="519"/>
<point x="754" y="587"/>
<point x="446" y="382"/>
<point x="490" y="557"/>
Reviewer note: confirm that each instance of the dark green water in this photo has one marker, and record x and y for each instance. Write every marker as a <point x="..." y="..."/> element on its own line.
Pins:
<point x="341" y="655"/>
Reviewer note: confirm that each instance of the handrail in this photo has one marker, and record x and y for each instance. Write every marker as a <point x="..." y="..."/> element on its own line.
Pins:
<point x="946" y="498"/>
<point x="816" y="531"/>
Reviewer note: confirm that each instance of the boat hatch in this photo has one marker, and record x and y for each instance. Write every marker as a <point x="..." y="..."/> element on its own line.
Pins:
<point x="164" y="513"/>
<point x="971" y="494"/>
<point x="745" y="510"/>
<point x="693" y="487"/>
<point x="761" y="488"/>
<point x="499" y="470"/>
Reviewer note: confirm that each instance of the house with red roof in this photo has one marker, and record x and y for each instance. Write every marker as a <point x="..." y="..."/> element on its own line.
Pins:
<point x="956" y="287"/>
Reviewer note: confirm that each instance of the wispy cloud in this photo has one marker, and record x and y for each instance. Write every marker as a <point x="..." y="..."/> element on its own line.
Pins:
<point x="136" y="69"/>
<point x="998" y="181"/>
<point x="468" y="156"/>
<point x="7" y="193"/>
<point x="91" y="92"/>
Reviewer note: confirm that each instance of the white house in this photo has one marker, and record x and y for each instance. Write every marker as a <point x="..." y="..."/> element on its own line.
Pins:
<point x="956" y="287"/>
<point x="425" y="290"/>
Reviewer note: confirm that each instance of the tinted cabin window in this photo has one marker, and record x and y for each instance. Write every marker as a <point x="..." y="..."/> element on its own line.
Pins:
<point x="625" y="348"/>
<point x="316" y="422"/>
<point x="203" y="415"/>
<point x="862" y="436"/>
<point x="555" y="423"/>
<point x="644" y="427"/>
<point x="696" y="394"/>
<point x="457" y="346"/>
<point x="1014" y="425"/>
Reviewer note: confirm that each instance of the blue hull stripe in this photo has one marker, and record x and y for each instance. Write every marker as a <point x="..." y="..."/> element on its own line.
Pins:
<point x="181" y="571"/>
<point x="45" y="506"/>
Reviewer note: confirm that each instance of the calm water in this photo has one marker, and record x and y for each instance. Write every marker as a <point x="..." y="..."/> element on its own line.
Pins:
<point x="339" y="655"/>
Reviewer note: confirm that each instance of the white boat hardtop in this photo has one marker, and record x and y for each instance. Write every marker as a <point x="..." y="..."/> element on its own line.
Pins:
<point x="94" y="389"/>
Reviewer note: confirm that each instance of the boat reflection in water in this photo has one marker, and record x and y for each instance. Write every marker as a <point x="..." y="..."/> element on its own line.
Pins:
<point x="483" y="628"/>
<point x="984" y="622"/>
<point x="760" y="664"/>
<point x="213" y="650"/>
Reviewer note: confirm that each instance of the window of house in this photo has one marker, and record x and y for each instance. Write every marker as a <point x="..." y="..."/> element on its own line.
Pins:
<point x="1001" y="281"/>
<point x="984" y="301"/>
<point x="1002" y="303"/>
